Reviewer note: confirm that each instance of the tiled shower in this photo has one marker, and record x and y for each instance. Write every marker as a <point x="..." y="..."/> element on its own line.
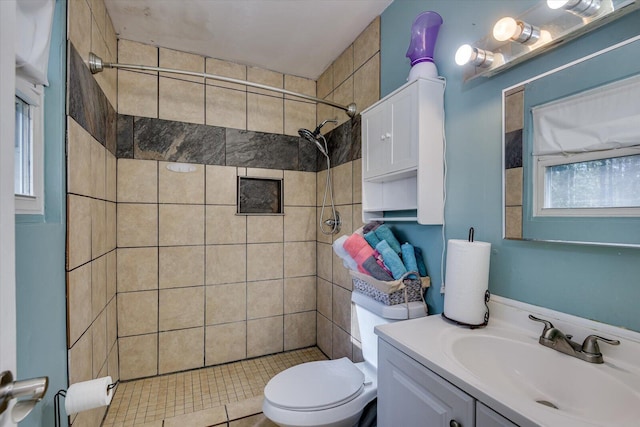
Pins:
<point x="162" y="275"/>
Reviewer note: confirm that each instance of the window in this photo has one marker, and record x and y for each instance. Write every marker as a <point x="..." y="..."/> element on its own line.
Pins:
<point x="29" y="148"/>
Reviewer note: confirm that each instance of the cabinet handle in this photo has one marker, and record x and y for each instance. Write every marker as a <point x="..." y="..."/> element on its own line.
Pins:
<point x="454" y="423"/>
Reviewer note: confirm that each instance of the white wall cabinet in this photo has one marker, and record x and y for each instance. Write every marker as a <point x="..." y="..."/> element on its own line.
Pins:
<point x="402" y="154"/>
<point x="409" y="394"/>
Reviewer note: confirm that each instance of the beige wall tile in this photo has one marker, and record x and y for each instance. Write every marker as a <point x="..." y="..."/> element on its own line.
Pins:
<point x="513" y="222"/>
<point x="78" y="230"/>
<point x="181" y="225"/>
<point x="264" y="298"/>
<point x="344" y="95"/>
<point x="265" y="113"/>
<point x="324" y="334"/>
<point x="366" y="83"/>
<point x="299" y="188"/>
<point x="221" y="185"/>
<point x="137" y="269"/>
<point x="299" y="259"/>
<point x="99" y="343"/>
<point x="177" y="187"/>
<point x="264" y="336"/>
<point x="226" y="264"/>
<point x="226" y="69"/>
<point x="324" y="298"/>
<point x="80" y="361"/>
<point x="111" y="228"/>
<point x="300" y="85"/>
<point x="321" y="184"/>
<point x="343" y="67"/>
<point x="264" y="173"/>
<point x="341" y="274"/>
<point x="300" y="295"/>
<point x="342" y="307"/>
<point x="299" y="223"/>
<point x="265" y="229"/>
<point x="138" y="356"/>
<point x="342" y="177"/>
<point x="265" y="77"/>
<point x="298" y="115"/>
<point x="264" y="261"/>
<point x="181" y="101"/>
<point x="112" y="324"/>
<point x="204" y="418"/>
<point x="99" y="14"/>
<point x="98" y="228"/>
<point x="357" y="180"/>
<point x="341" y="343"/>
<point x="78" y="158"/>
<point x="180" y="350"/>
<point x="328" y="213"/>
<point x="226" y="303"/>
<point x="137" y="181"/>
<point x="137" y="94"/>
<point x="324" y="261"/>
<point x="130" y="52"/>
<point x="113" y="367"/>
<point x="226" y="107"/>
<point x="137" y="313"/>
<point x="367" y="43"/>
<point x="79" y="311"/>
<point x="299" y="330"/>
<point x="99" y="47"/>
<point x="356" y="213"/>
<point x="346" y="221"/>
<point x="181" y="266"/>
<point x="98" y="285"/>
<point x="324" y="85"/>
<point x="224" y="226"/>
<point x="112" y="269"/>
<point x="79" y="31"/>
<point x="324" y="112"/>
<point x="181" y="308"/>
<point x="137" y="225"/>
<point x="111" y="174"/>
<point x="513" y="186"/>
<point x="514" y="116"/>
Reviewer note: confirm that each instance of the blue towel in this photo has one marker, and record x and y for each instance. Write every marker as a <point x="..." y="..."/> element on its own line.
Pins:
<point x="391" y="259"/>
<point x="422" y="268"/>
<point x="409" y="257"/>
<point x="372" y="238"/>
<point x="384" y="233"/>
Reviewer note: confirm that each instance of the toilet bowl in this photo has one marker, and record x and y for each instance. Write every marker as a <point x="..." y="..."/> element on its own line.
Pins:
<point x="333" y="393"/>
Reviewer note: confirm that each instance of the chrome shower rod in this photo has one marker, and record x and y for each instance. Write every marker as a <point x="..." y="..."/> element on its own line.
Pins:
<point x="96" y="65"/>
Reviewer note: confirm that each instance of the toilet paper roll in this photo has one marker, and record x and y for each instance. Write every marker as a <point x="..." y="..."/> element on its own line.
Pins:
<point x="467" y="281"/>
<point x="88" y="395"/>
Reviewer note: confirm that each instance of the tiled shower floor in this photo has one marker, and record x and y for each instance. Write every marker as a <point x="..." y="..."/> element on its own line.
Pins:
<point x="152" y="400"/>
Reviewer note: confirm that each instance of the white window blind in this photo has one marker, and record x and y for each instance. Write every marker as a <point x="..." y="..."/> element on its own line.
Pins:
<point x="34" y="20"/>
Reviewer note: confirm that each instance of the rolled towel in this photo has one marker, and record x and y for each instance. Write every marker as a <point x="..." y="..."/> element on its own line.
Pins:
<point x="359" y="250"/>
<point x="338" y="248"/>
<point x="380" y="262"/>
<point x="391" y="259"/>
<point x="409" y="257"/>
<point x="372" y="267"/>
<point x="372" y="238"/>
<point x="359" y="231"/>
<point x="371" y="226"/>
<point x="384" y="233"/>
<point x="422" y="268"/>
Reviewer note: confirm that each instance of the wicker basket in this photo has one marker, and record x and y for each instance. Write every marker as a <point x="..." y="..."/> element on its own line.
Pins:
<point x="406" y="289"/>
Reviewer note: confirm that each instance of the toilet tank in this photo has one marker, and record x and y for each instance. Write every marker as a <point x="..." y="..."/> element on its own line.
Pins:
<point x="371" y="313"/>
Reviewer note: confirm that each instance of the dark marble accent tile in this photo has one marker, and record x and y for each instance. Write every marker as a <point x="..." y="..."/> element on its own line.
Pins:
<point x="125" y="137"/>
<point x="344" y="144"/>
<point x="356" y="137"/>
<point x="260" y="195"/>
<point x="513" y="149"/>
<point x="261" y="150"/>
<point x="308" y="156"/>
<point x="156" y="139"/>
<point x="88" y="105"/>
<point x="111" y="138"/>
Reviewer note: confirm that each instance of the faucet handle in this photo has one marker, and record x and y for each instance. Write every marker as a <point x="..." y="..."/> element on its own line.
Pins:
<point x="590" y="344"/>
<point x="548" y="326"/>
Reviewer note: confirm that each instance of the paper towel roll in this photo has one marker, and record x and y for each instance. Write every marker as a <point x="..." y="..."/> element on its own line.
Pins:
<point x="88" y="395"/>
<point x="467" y="281"/>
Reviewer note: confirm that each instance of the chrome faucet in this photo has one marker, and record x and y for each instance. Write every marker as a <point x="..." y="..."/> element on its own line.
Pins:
<point x="589" y="351"/>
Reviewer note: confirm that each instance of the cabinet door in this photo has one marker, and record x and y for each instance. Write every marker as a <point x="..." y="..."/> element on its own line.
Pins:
<point x="402" y="116"/>
<point x="487" y="417"/>
<point x="375" y="142"/>
<point x="410" y="395"/>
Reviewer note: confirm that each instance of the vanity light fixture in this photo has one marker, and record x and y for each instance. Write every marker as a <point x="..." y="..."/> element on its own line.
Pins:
<point x="468" y="54"/>
<point x="581" y="8"/>
<point x="508" y="28"/>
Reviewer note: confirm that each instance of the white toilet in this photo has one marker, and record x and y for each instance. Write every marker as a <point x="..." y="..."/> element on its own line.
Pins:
<point x="333" y="393"/>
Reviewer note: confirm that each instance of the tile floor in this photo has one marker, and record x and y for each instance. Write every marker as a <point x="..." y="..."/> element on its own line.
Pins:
<point x="230" y="393"/>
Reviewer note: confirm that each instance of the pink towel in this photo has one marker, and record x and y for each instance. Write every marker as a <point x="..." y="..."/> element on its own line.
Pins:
<point x="359" y="250"/>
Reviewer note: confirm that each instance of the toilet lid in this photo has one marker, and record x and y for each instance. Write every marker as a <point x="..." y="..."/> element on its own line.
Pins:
<point x="315" y="385"/>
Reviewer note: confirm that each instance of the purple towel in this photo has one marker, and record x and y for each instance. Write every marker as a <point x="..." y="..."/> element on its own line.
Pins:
<point x="375" y="270"/>
<point x="371" y="226"/>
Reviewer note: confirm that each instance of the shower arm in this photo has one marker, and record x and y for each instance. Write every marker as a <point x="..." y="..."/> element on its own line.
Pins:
<point x="96" y="65"/>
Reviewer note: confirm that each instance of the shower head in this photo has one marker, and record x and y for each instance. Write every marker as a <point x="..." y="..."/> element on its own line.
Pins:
<point x="313" y="136"/>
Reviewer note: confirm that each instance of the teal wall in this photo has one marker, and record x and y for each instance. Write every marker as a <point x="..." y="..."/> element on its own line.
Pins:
<point x="40" y="251"/>
<point x="600" y="283"/>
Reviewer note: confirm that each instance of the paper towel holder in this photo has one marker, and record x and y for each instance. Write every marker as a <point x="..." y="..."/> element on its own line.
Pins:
<point x="487" y="296"/>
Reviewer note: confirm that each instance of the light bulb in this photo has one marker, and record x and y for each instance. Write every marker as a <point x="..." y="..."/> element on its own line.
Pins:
<point x="464" y="54"/>
<point x="545" y="37"/>
<point x="505" y="29"/>
<point x="478" y="57"/>
<point x="556" y="4"/>
<point x="582" y="8"/>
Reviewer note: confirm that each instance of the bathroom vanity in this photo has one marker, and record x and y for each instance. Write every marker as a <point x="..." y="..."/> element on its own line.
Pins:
<point x="432" y="372"/>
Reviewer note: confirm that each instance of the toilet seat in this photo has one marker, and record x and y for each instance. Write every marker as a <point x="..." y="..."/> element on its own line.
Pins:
<point x="315" y="386"/>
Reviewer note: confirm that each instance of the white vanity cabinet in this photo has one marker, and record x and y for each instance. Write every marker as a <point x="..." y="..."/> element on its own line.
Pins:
<point x="402" y="153"/>
<point x="409" y="394"/>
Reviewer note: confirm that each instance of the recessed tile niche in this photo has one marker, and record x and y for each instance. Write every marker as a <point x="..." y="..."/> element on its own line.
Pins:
<point x="260" y="196"/>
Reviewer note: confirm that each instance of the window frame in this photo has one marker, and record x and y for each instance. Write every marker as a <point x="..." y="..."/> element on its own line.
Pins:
<point x="34" y="96"/>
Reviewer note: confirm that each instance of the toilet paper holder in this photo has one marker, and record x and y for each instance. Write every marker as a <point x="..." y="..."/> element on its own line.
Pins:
<point x="63" y="393"/>
<point x="34" y="389"/>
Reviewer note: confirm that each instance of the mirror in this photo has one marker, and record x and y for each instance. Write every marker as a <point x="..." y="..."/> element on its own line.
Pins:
<point x="525" y="181"/>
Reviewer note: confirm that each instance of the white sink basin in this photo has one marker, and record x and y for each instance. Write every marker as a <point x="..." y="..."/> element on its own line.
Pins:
<point x="531" y="373"/>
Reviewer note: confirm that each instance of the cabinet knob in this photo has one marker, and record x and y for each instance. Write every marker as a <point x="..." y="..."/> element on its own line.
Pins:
<point x="454" y="423"/>
<point x="388" y="135"/>
<point x="382" y="137"/>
